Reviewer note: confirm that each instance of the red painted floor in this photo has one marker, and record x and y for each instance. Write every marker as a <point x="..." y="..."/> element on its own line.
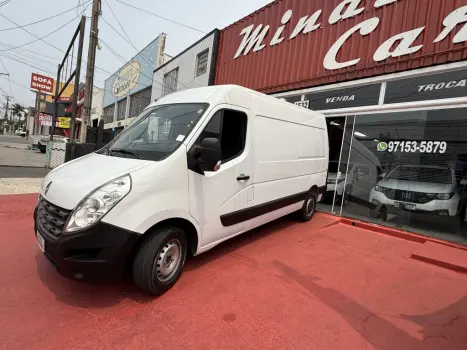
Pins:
<point x="285" y="286"/>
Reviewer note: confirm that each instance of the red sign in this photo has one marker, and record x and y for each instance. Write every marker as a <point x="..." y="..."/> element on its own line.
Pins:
<point x="42" y="83"/>
<point x="81" y="97"/>
<point x="45" y="119"/>
<point x="295" y="44"/>
<point x="65" y="99"/>
<point x="68" y="110"/>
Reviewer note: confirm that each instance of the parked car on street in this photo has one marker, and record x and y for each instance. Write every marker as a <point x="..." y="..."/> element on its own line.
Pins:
<point x="20" y="132"/>
<point x="199" y="167"/>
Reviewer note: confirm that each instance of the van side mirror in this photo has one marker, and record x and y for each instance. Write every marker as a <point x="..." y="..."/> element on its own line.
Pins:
<point x="209" y="154"/>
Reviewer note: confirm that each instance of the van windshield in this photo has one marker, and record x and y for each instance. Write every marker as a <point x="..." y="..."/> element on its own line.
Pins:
<point x="157" y="133"/>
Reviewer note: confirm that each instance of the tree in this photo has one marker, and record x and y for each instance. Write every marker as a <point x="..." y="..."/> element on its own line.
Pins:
<point x="17" y="111"/>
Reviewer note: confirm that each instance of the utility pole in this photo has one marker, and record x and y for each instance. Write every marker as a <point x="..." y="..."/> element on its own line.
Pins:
<point x="7" y="98"/>
<point x="93" y="41"/>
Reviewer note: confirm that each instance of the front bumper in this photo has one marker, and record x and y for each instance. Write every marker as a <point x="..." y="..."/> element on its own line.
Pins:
<point x="100" y="252"/>
<point x="437" y="207"/>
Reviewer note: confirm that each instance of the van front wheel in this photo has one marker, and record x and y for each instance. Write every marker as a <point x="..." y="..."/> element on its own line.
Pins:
<point x="160" y="260"/>
<point x="309" y="207"/>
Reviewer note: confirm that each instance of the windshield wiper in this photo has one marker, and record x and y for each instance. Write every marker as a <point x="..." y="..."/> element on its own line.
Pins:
<point x="124" y="151"/>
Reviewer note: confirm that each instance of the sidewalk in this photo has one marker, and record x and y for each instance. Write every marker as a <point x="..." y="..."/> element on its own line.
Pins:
<point x="21" y="170"/>
<point x="16" y="154"/>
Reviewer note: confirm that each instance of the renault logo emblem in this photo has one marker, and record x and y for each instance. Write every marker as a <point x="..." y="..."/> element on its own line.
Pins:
<point x="48" y="187"/>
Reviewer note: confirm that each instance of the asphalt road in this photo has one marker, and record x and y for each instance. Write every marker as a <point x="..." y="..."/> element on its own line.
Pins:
<point x="13" y="139"/>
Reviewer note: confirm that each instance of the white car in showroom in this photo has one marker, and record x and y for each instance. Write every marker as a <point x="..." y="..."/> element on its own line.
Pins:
<point x="418" y="189"/>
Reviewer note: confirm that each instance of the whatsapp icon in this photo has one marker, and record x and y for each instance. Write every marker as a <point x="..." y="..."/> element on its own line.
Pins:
<point x="382" y="146"/>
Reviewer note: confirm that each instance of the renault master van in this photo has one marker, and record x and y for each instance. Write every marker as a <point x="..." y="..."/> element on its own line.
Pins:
<point x="197" y="168"/>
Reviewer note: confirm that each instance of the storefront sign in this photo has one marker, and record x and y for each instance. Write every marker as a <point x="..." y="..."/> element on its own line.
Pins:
<point x="413" y="147"/>
<point x="42" y="83"/>
<point x="65" y="99"/>
<point x="367" y="95"/>
<point x="295" y="44"/>
<point x="63" y="122"/>
<point x="135" y="75"/>
<point x="127" y="79"/>
<point x="292" y="99"/>
<point x="45" y="119"/>
<point x="398" y="45"/>
<point x="431" y="87"/>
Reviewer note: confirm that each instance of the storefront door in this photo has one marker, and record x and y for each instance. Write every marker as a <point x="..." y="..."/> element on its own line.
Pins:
<point x="406" y="170"/>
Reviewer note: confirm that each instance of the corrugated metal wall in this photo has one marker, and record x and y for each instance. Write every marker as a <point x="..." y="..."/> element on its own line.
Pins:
<point x="298" y="63"/>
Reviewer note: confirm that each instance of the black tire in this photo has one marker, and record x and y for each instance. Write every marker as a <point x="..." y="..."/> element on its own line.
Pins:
<point x="146" y="274"/>
<point x="309" y="207"/>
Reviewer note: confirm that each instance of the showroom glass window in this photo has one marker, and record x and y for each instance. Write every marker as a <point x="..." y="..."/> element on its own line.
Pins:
<point x="408" y="170"/>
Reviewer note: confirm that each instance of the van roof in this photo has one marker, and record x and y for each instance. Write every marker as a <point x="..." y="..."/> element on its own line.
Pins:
<point x="235" y="94"/>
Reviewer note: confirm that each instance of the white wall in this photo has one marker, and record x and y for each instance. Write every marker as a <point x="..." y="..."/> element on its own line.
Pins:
<point x="97" y="103"/>
<point x="186" y="63"/>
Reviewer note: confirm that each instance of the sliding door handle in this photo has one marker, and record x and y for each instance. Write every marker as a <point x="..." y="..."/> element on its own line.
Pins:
<point x="243" y="177"/>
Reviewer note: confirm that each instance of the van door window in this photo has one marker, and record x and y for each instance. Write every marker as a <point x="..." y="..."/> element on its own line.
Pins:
<point x="229" y="127"/>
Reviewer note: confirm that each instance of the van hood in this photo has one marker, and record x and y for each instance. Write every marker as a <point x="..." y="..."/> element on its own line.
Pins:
<point x="416" y="186"/>
<point x="72" y="181"/>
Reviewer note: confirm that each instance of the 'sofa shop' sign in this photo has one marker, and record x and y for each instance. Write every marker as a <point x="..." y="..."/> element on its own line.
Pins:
<point x="42" y="83"/>
<point x="302" y="47"/>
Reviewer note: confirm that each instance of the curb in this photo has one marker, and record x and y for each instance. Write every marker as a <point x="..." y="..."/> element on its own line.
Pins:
<point x="23" y="166"/>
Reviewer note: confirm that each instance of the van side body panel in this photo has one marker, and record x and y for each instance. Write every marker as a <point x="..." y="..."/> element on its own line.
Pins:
<point x="289" y="149"/>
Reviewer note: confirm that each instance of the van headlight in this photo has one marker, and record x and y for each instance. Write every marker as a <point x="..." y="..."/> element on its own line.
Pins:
<point x="93" y="207"/>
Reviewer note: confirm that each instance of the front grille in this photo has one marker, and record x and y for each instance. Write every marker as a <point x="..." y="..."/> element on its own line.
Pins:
<point x="408" y="196"/>
<point x="51" y="219"/>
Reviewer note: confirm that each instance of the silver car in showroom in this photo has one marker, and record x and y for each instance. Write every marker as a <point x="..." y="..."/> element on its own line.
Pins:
<point x="418" y="189"/>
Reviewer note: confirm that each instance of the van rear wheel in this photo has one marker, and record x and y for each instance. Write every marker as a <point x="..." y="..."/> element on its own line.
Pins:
<point x="160" y="260"/>
<point x="309" y="207"/>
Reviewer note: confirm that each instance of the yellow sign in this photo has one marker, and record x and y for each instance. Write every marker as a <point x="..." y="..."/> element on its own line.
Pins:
<point x="64" y="122"/>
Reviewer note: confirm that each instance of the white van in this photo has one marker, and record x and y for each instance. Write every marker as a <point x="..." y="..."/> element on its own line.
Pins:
<point x="199" y="167"/>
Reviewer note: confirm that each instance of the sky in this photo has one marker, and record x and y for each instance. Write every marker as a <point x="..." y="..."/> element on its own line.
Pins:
<point x="141" y="27"/>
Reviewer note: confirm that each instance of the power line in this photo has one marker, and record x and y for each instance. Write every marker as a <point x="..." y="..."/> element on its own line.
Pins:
<point x="6" y="70"/>
<point x="121" y="27"/>
<point x="114" y="52"/>
<point x="164" y="18"/>
<point x="38" y="38"/>
<point x="31" y="57"/>
<point x="42" y="39"/>
<point x="40" y="21"/>
<point x="138" y="51"/>
<point x="4" y="2"/>
<point x="116" y="31"/>
<point x="27" y="64"/>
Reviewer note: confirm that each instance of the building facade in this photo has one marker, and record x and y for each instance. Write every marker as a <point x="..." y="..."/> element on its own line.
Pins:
<point x="391" y="78"/>
<point x="128" y="91"/>
<point x="192" y="68"/>
<point x="97" y="106"/>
